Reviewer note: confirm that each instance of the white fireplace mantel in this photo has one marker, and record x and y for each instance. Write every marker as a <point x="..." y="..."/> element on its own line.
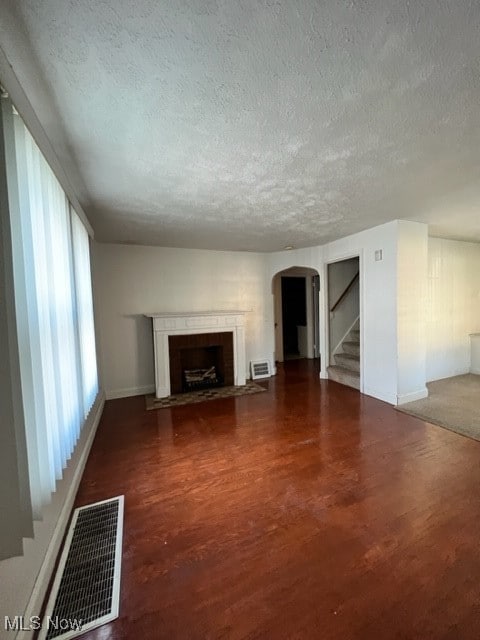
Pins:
<point x="191" y="322"/>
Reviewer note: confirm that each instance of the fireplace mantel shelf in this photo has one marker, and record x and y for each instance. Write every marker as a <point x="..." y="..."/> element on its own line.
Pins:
<point x="170" y="323"/>
<point x="189" y="314"/>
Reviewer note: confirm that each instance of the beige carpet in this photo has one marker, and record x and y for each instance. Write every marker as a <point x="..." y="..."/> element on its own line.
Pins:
<point x="192" y="397"/>
<point x="453" y="403"/>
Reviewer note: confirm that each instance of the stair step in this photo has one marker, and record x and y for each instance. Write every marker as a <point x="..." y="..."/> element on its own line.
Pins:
<point x="355" y="334"/>
<point x="344" y="376"/>
<point x="353" y="348"/>
<point x="348" y="361"/>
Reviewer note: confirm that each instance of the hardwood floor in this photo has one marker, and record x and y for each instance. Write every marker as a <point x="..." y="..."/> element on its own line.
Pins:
<point x="310" y="511"/>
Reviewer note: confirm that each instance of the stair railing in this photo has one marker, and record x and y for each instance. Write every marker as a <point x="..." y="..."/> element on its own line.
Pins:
<point x="345" y="291"/>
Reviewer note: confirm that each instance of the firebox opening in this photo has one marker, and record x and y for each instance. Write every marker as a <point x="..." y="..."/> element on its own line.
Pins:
<point x="202" y="367"/>
<point x="200" y="361"/>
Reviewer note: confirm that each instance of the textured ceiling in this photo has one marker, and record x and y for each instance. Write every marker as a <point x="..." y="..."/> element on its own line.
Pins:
<point x="254" y="125"/>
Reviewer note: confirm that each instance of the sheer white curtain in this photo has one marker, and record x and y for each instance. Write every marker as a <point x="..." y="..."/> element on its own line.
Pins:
<point x="54" y="316"/>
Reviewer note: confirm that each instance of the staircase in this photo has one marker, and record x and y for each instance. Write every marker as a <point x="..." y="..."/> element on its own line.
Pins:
<point x="346" y="369"/>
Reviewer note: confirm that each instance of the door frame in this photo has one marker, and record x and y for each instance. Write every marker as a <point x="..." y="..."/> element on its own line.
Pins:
<point x="311" y="308"/>
<point x="325" y="313"/>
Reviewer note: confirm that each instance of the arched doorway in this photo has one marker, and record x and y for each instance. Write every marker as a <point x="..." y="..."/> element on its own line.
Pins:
<point x="296" y="313"/>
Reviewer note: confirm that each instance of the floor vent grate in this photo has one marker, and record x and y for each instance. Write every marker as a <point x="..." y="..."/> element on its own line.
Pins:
<point x="260" y="369"/>
<point x="85" y="593"/>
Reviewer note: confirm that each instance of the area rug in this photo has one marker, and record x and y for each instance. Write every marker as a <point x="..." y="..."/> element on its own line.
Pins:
<point x="452" y="403"/>
<point x="193" y="397"/>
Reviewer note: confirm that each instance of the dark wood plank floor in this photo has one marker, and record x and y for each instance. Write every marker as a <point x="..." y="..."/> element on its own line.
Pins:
<point x="310" y="511"/>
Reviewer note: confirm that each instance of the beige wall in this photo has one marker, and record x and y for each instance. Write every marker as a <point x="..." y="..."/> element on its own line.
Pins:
<point x="411" y="323"/>
<point x="453" y="306"/>
<point x="133" y="280"/>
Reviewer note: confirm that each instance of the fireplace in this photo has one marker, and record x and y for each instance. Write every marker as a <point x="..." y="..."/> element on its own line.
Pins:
<point x="222" y="345"/>
<point x="200" y="361"/>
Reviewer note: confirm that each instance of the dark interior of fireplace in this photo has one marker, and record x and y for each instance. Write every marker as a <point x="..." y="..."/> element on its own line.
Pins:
<point x="200" y="361"/>
<point x="202" y="367"/>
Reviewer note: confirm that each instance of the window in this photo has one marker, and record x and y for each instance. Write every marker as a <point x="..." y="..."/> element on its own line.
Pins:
<point x="53" y="310"/>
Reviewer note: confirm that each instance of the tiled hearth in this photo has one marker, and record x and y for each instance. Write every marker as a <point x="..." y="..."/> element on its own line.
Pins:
<point x="193" y="397"/>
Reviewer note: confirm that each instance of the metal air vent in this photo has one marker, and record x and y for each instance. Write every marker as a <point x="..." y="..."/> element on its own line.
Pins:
<point x="85" y="593"/>
<point x="260" y="369"/>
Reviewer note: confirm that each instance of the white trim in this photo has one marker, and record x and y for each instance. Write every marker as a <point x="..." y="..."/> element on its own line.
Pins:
<point x="115" y="394"/>
<point x="37" y="596"/>
<point x="362" y="294"/>
<point x="116" y="578"/>
<point x="412" y="396"/>
<point x="324" y="319"/>
<point x="458" y="372"/>
<point x="344" y="256"/>
<point x="381" y="395"/>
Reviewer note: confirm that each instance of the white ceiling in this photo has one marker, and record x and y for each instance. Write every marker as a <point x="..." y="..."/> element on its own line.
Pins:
<point x="234" y="124"/>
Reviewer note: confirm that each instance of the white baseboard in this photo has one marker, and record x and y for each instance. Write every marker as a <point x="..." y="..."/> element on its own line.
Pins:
<point x="43" y="579"/>
<point x="114" y="394"/>
<point x="451" y="374"/>
<point x="391" y="398"/>
<point x="412" y="396"/>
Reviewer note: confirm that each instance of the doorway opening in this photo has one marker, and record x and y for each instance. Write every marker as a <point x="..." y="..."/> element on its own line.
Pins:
<point x="296" y="313"/>
<point x="343" y="279"/>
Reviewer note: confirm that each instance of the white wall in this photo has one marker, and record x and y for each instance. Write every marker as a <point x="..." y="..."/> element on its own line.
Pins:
<point x="378" y="301"/>
<point x="399" y="318"/>
<point x="278" y="319"/>
<point x="309" y="332"/>
<point x="412" y="249"/>
<point x="453" y="310"/>
<point x="378" y="306"/>
<point x="133" y="280"/>
<point x="340" y="275"/>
